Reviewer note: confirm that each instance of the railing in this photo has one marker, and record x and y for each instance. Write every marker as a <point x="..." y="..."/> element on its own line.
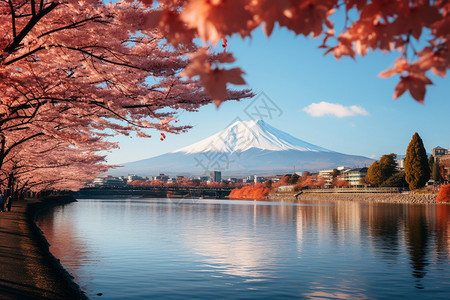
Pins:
<point x="386" y="190"/>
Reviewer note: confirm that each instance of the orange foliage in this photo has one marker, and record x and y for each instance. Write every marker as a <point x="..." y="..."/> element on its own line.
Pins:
<point x="370" y="26"/>
<point x="310" y="182"/>
<point x="342" y="183"/>
<point x="257" y="191"/>
<point x="138" y="183"/>
<point x="444" y="194"/>
<point x="283" y="181"/>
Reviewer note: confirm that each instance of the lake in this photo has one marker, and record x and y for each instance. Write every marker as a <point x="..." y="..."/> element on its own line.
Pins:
<point x="203" y="249"/>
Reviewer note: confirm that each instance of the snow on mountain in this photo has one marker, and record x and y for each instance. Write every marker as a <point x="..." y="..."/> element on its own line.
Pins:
<point x="244" y="148"/>
<point x="244" y="135"/>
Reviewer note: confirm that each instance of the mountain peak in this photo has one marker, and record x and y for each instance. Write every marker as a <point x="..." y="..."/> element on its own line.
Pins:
<point x="244" y="135"/>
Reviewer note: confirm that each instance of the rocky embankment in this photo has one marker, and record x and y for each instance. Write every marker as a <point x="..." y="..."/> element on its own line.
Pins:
<point x="392" y="198"/>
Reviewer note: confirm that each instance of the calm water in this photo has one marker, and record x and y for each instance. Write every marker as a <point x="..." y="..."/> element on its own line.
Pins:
<point x="202" y="249"/>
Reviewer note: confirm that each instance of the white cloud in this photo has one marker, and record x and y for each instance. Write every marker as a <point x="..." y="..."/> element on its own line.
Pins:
<point x="373" y="156"/>
<point x="326" y="108"/>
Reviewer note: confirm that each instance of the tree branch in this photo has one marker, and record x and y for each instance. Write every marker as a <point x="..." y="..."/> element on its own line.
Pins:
<point x="30" y="25"/>
<point x="13" y="18"/>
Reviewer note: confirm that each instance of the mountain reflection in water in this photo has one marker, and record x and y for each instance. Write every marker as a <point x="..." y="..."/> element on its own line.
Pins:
<point x="171" y="249"/>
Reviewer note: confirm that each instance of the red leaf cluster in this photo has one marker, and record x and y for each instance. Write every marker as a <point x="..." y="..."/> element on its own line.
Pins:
<point x="310" y="182"/>
<point x="369" y="26"/>
<point x="444" y="194"/>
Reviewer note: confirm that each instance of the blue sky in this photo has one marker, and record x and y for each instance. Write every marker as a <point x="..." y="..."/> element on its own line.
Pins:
<point x="294" y="74"/>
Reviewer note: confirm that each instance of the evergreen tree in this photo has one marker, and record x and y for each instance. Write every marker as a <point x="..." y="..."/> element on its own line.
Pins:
<point x="382" y="170"/>
<point x="374" y="174"/>
<point x="436" y="171"/>
<point x="396" y="180"/>
<point x="431" y="161"/>
<point x="388" y="165"/>
<point x="294" y="178"/>
<point x="417" y="169"/>
<point x="335" y="173"/>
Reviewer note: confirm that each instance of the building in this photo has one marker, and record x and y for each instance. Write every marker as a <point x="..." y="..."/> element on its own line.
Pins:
<point x="162" y="177"/>
<point x="328" y="175"/>
<point x="133" y="177"/>
<point x="444" y="163"/>
<point x="235" y="180"/>
<point x="285" y="188"/>
<point x="439" y="151"/>
<point x="108" y="181"/>
<point x="216" y="176"/>
<point x="355" y="176"/>
<point x="260" y="179"/>
<point x="400" y="164"/>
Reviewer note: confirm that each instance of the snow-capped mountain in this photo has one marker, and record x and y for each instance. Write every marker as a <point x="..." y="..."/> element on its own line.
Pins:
<point x="244" y="135"/>
<point x="245" y="147"/>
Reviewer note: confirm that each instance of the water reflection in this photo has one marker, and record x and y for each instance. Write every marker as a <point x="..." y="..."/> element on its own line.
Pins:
<point x="66" y="243"/>
<point x="313" y="250"/>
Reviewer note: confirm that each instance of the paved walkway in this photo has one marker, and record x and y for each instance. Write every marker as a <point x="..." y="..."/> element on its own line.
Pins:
<point x="25" y="267"/>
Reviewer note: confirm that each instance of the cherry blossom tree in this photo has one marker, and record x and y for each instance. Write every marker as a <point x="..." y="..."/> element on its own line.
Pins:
<point x="79" y="72"/>
<point x="47" y="163"/>
<point x="419" y="30"/>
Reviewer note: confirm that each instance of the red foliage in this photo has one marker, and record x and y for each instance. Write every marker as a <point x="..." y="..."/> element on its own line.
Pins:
<point x="310" y="182"/>
<point x="283" y="181"/>
<point x="370" y="26"/>
<point x="342" y="183"/>
<point x="258" y="191"/>
<point x="138" y="183"/>
<point x="444" y="194"/>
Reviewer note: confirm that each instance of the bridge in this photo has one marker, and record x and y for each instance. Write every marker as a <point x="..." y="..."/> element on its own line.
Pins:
<point x="156" y="191"/>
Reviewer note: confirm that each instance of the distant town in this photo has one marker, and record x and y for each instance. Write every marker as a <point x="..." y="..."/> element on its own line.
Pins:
<point x="338" y="177"/>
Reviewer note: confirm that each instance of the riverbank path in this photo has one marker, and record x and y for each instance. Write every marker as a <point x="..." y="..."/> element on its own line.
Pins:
<point x="25" y="269"/>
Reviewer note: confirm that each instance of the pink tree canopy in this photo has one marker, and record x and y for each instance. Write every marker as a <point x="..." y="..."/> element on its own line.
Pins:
<point x="73" y="73"/>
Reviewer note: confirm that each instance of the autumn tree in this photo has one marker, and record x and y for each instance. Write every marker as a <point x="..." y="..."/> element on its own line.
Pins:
<point x="388" y="165"/>
<point x="342" y="183"/>
<point x="417" y="30"/>
<point x="444" y="194"/>
<point x="381" y="170"/>
<point x="284" y="180"/>
<point x="375" y="174"/>
<point x="256" y="191"/>
<point x="417" y="170"/>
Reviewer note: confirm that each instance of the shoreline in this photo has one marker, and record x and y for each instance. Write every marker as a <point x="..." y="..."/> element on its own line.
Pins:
<point x="368" y="197"/>
<point x="29" y="269"/>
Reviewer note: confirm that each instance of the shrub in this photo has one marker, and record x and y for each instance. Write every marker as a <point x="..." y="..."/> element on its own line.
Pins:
<point x="444" y="194"/>
<point x="258" y="191"/>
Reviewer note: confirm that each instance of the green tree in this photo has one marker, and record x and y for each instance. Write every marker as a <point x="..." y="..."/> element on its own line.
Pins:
<point x="396" y="180"/>
<point x="417" y="169"/>
<point x="374" y="174"/>
<point x="436" y="171"/>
